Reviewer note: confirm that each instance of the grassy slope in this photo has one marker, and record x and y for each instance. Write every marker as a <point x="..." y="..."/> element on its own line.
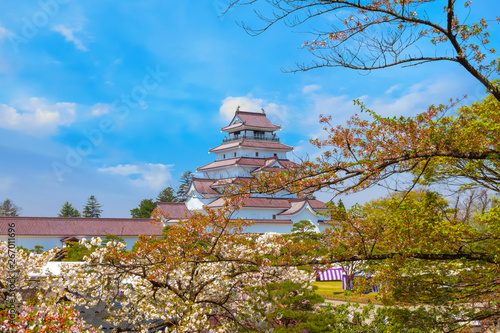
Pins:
<point x="333" y="289"/>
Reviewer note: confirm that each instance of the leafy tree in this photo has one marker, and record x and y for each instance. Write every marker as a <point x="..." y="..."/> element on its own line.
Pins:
<point x="68" y="210"/>
<point x="298" y="310"/>
<point x="92" y="208"/>
<point x="8" y="208"/>
<point x="304" y="229"/>
<point x="421" y="254"/>
<point x="185" y="183"/>
<point x="144" y="210"/>
<point x="303" y="226"/>
<point x="76" y="251"/>
<point x="167" y="195"/>
<point x="413" y="242"/>
<point x="38" y="249"/>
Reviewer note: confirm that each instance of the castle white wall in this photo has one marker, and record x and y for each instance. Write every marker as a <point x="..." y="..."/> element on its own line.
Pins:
<point x="279" y="195"/>
<point x="263" y="228"/>
<point x="249" y="133"/>
<point x="228" y="173"/>
<point x="323" y="227"/>
<point x="267" y="213"/>
<point x="258" y="213"/>
<point x="306" y="214"/>
<point x="245" y="152"/>
<point x="196" y="203"/>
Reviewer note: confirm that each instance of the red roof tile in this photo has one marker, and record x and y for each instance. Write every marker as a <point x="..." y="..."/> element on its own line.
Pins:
<point x="315" y="204"/>
<point x="219" y="164"/>
<point x="257" y="202"/>
<point x="270" y="221"/>
<point x="291" y="206"/>
<point x="75" y="226"/>
<point x="246" y="161"/>
<point x="175" y="210"/>
<point x="251" y="119"/>
<point x="252" y="144"/>
<point x="203" y="185"/>
<point x="295" y="207"/>
<point x="269" y="165"/>
<point x="233" y="180"/>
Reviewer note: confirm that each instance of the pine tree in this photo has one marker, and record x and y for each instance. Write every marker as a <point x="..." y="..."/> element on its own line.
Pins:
<point x="92" y="208"/>
<point x="167" y="195"/>
<point x="338" y="211"/>
<point x="7" y="208"/>
<point x="67" y="210"/>
<point x="185" y="183"/>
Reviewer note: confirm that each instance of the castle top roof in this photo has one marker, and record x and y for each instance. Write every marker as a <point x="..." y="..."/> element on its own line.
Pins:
<point x="244" y="119"/>
<point x="257" y="163"/>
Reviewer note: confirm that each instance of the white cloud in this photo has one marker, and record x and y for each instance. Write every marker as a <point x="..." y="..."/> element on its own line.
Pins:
<point x="340" y="107"/>
<point x="393" y="88"/>
<point x="152" y="176"/>
<point x="69" y="35"/>
<point x="277" y="113"/>
<point x="155" y="176"/>
<point x="416" y="98"/>
<point x="100" y="108"/>
<point x="230" y="104"/>
<point x="123" y="170"/>
<point x="311" y="88"/>
<point x="36" y="117"/>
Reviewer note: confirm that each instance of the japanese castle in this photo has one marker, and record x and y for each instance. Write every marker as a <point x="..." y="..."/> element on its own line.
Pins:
<point x="251" y="146"/>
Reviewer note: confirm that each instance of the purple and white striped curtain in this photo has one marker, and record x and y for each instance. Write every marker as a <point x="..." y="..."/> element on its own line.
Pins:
<point x="332" y="274"/>
<point x="344" y="284"/>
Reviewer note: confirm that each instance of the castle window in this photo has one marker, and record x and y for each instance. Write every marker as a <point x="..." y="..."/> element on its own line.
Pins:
<point x="256" y="154"/>
<point x="234" y="154"/>
<point x="275" y="155"/>
<point x="274" y="217"/>
<point x="224" y="156"/>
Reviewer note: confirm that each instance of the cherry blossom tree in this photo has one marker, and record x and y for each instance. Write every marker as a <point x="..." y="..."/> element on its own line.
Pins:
<point x="203" y="275"/>
<point x="29" y="302"/>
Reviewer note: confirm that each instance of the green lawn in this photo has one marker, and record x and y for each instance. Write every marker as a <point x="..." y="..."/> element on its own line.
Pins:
<point x="333" y="290"/>
<point x="329" y="287"/>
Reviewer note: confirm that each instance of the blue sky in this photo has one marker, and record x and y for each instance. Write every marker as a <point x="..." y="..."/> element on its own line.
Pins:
<point x="118" y="99"/>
